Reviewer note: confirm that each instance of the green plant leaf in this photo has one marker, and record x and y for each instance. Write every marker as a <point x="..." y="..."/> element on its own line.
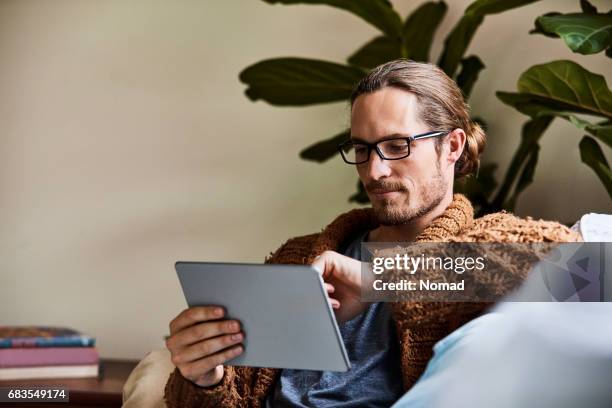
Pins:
<point x="560" y="86"/>
<point x="587" y="7"/>
<point x="583" y="33"/>
<point x="592" y="156"/>
<point x="486" y="7"/>
<point x="540" y="30"/>
<point x="419" y="29"/>
<point x="457" y="43"/>
<point x="459" y="39"/>
<point x="470" y="68"/>
<point x="601" y="131"/>
<point x="377" y="51"/>
<point x="415" y="42"/>
<point x="360" y="196"/>
<point x="535" y="106"/>
<point x="526" y="176"/>
<point x="479" y="188"/>
<point x="526" y="105"/>
<point x="325" y="149"/>
<point x="379" y="13"/>
<point x="567" y="83"/>
<point x="299" y="81"/>
<point x="531" y="133"/>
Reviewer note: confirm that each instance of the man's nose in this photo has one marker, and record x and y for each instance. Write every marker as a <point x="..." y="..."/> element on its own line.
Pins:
<point x="377" y="167"/>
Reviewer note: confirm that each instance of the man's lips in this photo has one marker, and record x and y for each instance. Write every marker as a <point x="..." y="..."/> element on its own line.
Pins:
<point x="384" y="193"/>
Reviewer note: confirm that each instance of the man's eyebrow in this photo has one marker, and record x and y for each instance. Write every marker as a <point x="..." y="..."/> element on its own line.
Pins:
<point x="386" y="137"/>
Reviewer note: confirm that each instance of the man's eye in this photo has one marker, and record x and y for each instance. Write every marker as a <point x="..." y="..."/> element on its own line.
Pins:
<point x="361" y="149"/>
<point x="397" y="147"/>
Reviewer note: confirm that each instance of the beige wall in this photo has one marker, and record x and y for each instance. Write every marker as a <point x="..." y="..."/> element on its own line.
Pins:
<point x="126" y="144"/>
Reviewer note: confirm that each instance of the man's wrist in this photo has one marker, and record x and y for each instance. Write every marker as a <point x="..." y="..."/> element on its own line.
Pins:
<point x="367" y="280"/>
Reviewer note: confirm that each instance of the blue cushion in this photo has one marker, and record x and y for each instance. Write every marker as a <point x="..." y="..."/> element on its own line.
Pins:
<point x="435" y="378"/>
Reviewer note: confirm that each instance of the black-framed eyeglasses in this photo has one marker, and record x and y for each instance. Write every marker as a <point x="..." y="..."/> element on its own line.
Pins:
<point x="389" y="149"/>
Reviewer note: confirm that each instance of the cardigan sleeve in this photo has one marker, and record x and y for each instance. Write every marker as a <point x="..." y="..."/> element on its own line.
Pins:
<point x="180" y="392"/>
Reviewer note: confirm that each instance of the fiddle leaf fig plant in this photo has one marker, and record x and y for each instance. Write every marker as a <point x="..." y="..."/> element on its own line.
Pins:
<point x="558" y="89"/>
<point x="564" y="89"/>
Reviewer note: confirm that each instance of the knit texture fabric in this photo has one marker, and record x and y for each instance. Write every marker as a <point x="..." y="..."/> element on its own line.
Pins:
<point x="419" y="324"/>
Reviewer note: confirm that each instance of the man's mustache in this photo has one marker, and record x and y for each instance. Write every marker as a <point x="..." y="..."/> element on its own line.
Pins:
<point x="385" y="186"/>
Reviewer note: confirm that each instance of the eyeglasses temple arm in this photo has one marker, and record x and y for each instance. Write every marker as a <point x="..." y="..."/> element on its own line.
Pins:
<point x="431" y="134"/>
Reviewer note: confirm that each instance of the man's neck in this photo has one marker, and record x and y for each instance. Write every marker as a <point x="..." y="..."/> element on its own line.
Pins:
<point x="410" y="231"/>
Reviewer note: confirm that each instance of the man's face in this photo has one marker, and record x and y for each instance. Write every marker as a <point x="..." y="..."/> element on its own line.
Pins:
<point x="399" y="190"/>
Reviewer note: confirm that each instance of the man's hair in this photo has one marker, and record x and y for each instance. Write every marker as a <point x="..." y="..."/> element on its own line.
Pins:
<point x="441" y="105"/>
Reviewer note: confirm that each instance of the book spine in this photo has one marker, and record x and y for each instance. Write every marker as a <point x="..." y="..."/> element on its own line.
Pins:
<point x="25" y="373"/>
<point x="81" y="341"/>
<point x="32" y="357"/>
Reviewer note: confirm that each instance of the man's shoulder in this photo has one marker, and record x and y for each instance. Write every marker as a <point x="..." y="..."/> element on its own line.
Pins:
<point x="506" y="227"/>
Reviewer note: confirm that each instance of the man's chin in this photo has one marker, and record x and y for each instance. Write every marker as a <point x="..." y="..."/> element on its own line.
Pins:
<point x="387" y="213"/>
<point x="386" y="198"/>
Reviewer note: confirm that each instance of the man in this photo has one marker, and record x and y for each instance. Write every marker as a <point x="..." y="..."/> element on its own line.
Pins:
<point x="411" y="135"/>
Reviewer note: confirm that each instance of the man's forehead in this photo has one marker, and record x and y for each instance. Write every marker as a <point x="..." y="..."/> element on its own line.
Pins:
<point x="387" y="99"/>
<point x="385" y="113"/>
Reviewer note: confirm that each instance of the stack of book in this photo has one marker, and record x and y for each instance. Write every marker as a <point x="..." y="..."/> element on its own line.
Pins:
<point x="46" y="352"/>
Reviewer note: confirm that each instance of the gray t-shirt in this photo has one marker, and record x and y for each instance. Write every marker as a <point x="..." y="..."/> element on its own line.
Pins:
<point x="375" y="378"/>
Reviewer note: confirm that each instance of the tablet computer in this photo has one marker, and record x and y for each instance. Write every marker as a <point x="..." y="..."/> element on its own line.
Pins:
<point x="283" y="309"/>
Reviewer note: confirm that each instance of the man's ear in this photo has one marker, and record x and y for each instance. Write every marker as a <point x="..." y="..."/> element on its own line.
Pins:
<point x="456" y="143"/>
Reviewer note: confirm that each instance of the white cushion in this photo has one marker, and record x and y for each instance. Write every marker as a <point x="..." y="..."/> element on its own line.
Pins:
<point x="595" y="227"/>
<point x="144" y="387"/>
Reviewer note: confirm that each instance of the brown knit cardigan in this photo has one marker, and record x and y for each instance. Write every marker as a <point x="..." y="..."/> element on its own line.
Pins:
<point x="419" y="324"/>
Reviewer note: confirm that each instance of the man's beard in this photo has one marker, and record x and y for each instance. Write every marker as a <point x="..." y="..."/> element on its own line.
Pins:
<point x="429" y="197"/>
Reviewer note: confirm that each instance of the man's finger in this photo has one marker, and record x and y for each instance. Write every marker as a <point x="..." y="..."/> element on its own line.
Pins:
<point x="203" y="365"/>
<point x="324" y="263"/>
<point x="208" y="347"/>
<point x="199" y="332"/>
<point x="189" y="317"/>
<point x="329" y="288"/>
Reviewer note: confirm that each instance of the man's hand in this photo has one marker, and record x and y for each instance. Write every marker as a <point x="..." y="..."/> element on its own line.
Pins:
<point x="343" y="281"/>
<point x="200" y="342"/>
